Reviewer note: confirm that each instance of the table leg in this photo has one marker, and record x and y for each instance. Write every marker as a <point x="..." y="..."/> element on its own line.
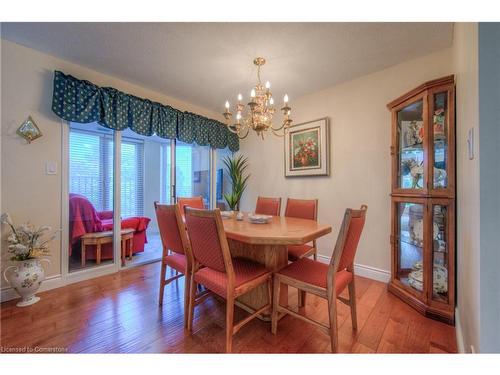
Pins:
<point x="83" y="252"/>
<point x="130" y="248"/>
<point x="98" y="253"/>
<point x="274" y="257"/>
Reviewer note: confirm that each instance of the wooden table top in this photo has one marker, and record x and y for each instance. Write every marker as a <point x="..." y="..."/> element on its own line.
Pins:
<point x="280" y="231"/>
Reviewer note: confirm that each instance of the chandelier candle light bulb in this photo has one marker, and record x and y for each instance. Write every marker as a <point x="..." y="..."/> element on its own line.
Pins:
<point x="259" y="112"/>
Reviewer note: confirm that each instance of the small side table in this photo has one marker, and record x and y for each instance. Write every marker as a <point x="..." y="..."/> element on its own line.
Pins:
<point x="100" y="238"/>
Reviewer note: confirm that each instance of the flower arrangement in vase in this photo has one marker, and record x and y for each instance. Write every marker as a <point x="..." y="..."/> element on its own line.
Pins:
<point x="27" y="244"/>
<point x="306" y="153"/>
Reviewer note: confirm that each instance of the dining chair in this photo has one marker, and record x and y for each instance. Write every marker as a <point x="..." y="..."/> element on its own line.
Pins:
<point x="268" y="206"/>
<point x="176" y="252"/>
<point x="194" y="202"/>
<point x="325" y="281"/>
<point x="225" y="276"/>
<point x="302" y="209"/>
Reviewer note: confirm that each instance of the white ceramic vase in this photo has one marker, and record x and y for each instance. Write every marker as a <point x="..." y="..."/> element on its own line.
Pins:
<point x="25" y="278"/>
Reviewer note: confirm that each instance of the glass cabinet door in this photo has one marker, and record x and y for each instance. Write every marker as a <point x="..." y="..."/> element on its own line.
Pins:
<point x="440" y="252"/>
<point x="440" y="130"/>
<point x="410" y="146"/>
<point x="410" y="245"/>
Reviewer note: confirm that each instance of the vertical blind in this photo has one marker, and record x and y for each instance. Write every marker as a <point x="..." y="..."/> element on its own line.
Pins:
<point x="91" y="171"/>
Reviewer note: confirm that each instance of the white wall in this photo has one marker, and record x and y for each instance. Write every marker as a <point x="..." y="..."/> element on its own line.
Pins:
<point x="465" y="61"/>
<point x="360" y="128"/>
<point x="27" y="193"/>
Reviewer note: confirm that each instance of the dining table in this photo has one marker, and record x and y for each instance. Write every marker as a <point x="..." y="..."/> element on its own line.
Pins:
<point x="267" y="244"/>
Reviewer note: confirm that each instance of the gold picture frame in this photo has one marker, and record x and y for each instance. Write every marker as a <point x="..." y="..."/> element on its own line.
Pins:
<point x="307" y="149"/>
<point x="29" y="130"/>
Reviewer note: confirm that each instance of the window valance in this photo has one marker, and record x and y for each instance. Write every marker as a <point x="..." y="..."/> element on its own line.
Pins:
<point x="82" y="101"/>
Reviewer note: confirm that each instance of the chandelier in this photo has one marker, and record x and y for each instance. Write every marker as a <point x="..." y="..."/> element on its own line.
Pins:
<point x="259" y="112"/>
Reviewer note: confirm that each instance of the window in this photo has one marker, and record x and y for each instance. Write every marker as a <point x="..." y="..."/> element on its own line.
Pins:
<point x="192" y="171"/>
<point x="91" y="171"/>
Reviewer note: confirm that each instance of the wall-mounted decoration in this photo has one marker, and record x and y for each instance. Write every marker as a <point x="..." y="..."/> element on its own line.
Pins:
<point x="307" y="149"/>
<point x="29" y="131"/>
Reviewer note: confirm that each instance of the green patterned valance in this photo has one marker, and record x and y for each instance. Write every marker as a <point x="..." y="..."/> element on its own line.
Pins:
<point x="82" y="101"/>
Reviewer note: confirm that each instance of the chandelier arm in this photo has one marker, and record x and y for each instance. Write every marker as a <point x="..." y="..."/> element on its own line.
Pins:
<point x="231" y="130"/>
<point x="246" y="135"/>
<point x="285" y="132"/>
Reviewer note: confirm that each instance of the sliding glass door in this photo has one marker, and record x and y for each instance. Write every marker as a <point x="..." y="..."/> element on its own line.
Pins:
<point x="192" y="171"/>
<point x="119" y="176"/>
<point x="90" y="187"/>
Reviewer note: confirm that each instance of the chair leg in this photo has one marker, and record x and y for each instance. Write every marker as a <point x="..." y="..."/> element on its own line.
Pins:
<point x="352" y="304"/>
<point x="276" y="301"/>
<point x="229" y="322"/>
<point x="162" y="282"/>
<point x="187" y="282"/>
<point x="301" y="296"/>
<point x="332" y="315"/>
<point x="192" y="296"/>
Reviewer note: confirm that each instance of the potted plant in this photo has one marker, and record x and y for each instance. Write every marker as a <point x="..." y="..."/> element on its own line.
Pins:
<point x="26" y="244"/>
<point x="236" y="169"/>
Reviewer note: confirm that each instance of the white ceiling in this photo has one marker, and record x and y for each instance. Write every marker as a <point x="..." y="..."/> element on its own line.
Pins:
<point x="206" y="63"/>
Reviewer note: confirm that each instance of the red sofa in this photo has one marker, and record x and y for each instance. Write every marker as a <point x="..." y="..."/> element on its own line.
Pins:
<point x="84" y="218"/>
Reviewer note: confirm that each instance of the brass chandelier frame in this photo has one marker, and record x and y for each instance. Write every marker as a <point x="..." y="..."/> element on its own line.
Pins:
<point x="259" y="116"/>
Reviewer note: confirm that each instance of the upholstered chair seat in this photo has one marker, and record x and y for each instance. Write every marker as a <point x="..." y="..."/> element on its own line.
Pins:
<point x="244" y="272"/>
<point x="315" y="273"/>
<point x="296" y="252"/>
<point x="177" y="261"/>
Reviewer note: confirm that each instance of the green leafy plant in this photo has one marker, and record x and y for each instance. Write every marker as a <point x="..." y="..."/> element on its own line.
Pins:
<point x="236" y="169"/>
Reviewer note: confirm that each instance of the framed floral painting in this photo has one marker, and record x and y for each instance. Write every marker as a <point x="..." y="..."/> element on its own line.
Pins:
<point x="307" y="149"/>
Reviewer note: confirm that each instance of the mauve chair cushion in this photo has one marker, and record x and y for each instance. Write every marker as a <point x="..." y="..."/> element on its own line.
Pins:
<point x="301" y="208"/>
<point x="295" y="252"/>
<point x="244" y="271"/>
<point x="177" y="261"/>
<point x="351" y="244"/>
<point x="193" y="202"/>
<point x="205" y="243"/>
<point x="268" y="206"/>
<point x="169" y="230"/>
<point x="315" y="273"/>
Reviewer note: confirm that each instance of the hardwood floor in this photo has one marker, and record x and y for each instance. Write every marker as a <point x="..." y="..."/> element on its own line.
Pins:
<point x="119" y="314"/>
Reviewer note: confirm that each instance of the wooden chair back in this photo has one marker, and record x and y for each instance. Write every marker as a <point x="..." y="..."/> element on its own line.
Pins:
<point x="172" y="230"/>
<point x="208" y="241"/>
<point x="347" y="243"/>
<point x="194" y="202"/>
<point x="268" y="206"/>
<point x="302" y="208"/>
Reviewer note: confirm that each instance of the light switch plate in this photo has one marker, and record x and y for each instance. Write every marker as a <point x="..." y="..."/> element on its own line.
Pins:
<point x="470" y="143"/>
<point x="50" y="167"/>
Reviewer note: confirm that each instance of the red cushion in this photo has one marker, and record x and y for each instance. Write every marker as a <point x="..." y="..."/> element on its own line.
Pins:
<point x="297" y="251"/>
<point x="244" y="271"/>
<point x="177" y="261"/>
<point x="268" y="206"/>
<point x="351" y="244"/>
<point x="315" y="273"/>
<point x="205" y="241"/>
<point x="301" y="208"/>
